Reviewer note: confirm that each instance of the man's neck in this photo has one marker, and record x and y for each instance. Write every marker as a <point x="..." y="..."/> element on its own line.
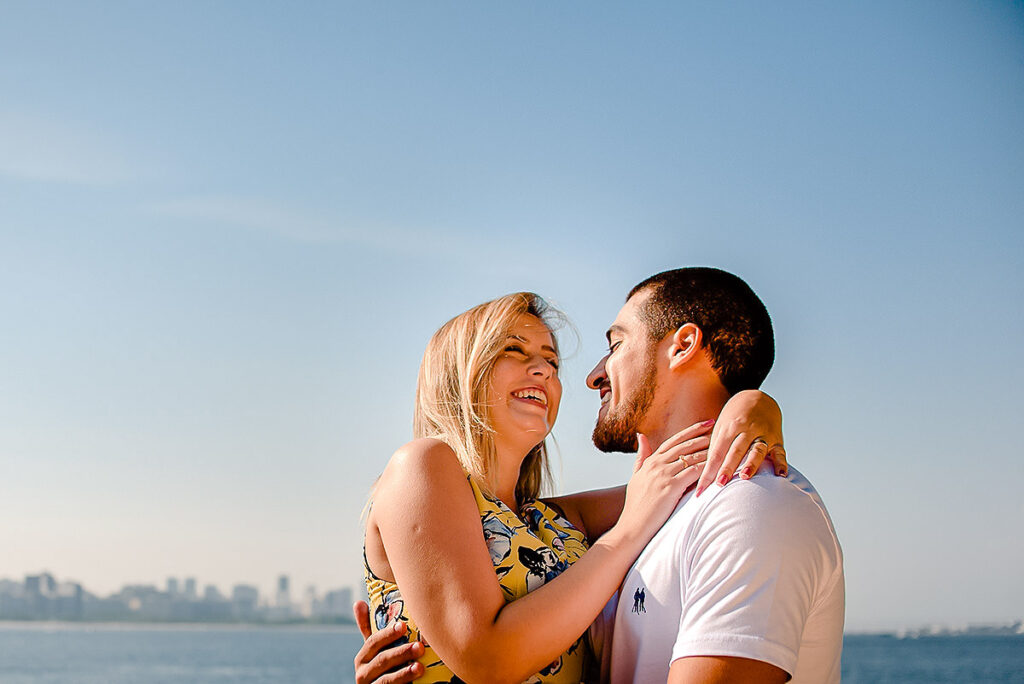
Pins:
<point x="687" y="406"/>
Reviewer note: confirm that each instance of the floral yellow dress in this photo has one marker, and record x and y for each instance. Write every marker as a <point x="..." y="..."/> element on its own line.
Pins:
<point x="526" y="551"/>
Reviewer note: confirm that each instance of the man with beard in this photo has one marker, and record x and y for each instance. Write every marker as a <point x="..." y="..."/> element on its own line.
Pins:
<point x="743" y="583"/>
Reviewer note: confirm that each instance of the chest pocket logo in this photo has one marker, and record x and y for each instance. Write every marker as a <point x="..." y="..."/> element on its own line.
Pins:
<point x="638" y="600"/>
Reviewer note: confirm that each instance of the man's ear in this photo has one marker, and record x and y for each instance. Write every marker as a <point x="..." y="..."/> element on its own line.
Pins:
<point x="686" y="344"/>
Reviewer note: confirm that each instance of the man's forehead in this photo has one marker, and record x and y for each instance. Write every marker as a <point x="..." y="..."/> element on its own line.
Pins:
<point x="627" y="318"/>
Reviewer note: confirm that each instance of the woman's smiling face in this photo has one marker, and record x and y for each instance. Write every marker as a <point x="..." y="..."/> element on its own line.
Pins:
<point x="524" y="390"/>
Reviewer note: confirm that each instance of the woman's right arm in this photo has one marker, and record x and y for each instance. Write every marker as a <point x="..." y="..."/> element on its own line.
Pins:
<point x="748" y="430"/>
<point x="430" y="528"/>
<point x="595" y="511"/>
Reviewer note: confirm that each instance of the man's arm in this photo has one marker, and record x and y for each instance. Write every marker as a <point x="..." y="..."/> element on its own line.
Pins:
<point x="724" y="670"/>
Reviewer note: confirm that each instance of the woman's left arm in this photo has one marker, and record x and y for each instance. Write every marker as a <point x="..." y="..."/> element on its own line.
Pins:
<point x="748" y="430"/>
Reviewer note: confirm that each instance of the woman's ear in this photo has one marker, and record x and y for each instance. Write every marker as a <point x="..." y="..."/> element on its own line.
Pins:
<point x="686" y="344"/>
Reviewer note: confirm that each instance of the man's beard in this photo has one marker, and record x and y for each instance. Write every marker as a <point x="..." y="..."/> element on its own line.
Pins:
<point x="617" y="431"/>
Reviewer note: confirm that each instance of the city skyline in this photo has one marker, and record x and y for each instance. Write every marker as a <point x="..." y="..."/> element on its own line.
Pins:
<point x="42" y="597"/>
<point x="333" y="607"/>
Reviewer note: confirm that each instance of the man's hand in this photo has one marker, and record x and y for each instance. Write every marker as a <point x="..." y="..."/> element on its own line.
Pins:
<point x="379" y="662"/>
<point x="724" y="670"/>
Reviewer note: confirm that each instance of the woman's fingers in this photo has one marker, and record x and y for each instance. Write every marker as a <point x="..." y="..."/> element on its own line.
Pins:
<point x="743" y="456"/>
<point x="722" y="471"/>
<point x="692" y="446"/>
<point x="717" y="450"/>
<point x="691" y="464"/>
<point x="677" y="476"/>
<point x="643" y="450"/>
<point x="778" y="455"/>
<point x="687" y="475"/>
<point x="696" y="445"/>
<point x="685" y="456"/>
<point x="695" y="430"/>
<point x="754" y="458"/>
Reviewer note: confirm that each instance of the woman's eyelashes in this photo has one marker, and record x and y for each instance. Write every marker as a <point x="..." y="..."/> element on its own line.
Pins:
<point x="516" y="349"/>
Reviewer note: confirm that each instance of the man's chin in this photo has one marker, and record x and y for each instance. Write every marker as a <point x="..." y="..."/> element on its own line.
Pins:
<point x="610" y="441"/>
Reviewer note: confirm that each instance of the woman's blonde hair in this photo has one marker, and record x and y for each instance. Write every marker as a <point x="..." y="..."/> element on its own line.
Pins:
<point x="451" y="392"/>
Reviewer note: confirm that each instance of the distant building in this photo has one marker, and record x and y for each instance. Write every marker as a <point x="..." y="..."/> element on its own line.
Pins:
<point x="310" y="605"/>
<point x="40" y="585"/>
<point x="190" y="588"/>
<point x="283" y="599"/>
<point x="282" y="608"/>
<point x="40" y="595"/>
<point x="245" y="601"/>
<point x="69" y="603"/>
<point x="338" y="604"/>
<point x="172" y="586"/>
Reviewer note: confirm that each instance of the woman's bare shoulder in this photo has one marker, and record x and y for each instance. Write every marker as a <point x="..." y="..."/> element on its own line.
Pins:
<point x="421" y="462"/>
<point x="423" y="452"/>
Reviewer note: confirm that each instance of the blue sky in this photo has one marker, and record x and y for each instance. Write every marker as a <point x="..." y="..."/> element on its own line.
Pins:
<point x="226" y="233"/>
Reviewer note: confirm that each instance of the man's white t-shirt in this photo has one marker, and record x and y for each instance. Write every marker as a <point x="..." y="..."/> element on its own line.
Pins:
<point x="751" y="570"/>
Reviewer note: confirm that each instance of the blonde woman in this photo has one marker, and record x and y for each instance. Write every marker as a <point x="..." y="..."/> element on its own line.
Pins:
<point x="481" y="578"/>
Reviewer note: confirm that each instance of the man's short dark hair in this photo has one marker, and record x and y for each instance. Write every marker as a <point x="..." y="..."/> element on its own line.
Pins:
<point x="735" y="326"/>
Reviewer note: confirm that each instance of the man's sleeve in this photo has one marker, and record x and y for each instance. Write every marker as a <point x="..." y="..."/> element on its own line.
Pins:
<point x="753" y="565"/>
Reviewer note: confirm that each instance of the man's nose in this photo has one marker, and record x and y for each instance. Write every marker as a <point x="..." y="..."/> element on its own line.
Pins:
<point x="597" y="376"/>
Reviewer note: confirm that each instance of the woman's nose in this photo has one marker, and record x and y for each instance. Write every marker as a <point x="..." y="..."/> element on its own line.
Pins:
<point x="540" y="366"/>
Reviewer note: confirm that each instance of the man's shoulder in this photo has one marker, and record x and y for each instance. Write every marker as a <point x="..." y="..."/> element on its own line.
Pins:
<point x="764" y="492"/>
<point x="756" y="562"/>
<point x="764" y="510"/>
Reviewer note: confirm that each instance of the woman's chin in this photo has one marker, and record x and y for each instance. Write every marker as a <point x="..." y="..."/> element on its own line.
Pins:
<point x="535" y="427"/>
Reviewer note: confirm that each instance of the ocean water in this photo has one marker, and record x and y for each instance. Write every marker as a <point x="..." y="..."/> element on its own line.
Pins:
<point x="34" y="653"/>
<point x="933" y="660"/>
<point x="167" y="654"/>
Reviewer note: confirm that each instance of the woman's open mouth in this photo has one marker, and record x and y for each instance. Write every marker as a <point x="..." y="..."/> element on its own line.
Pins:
<point x="534" y="395"/>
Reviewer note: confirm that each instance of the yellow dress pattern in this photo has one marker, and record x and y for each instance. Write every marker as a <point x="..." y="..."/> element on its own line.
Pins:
<point x="526" y="551"/>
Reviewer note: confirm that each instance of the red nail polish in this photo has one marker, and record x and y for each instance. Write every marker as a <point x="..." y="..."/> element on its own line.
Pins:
<point x="746" y="473"/>
<point x="723" y="479"/>
<point x="699" y="490"/>
<point x="706" y="423"/>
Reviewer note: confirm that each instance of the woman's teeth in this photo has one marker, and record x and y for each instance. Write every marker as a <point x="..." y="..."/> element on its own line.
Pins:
<point x="533" y="393"/>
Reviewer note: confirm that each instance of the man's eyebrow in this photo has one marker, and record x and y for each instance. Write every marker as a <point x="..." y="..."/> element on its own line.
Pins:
<point x="614" y="328"/>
